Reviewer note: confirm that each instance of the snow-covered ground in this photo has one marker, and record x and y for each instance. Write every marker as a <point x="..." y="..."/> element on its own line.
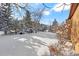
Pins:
<point x="39" y="43"/>
<point x="35" y="44"/>
<point x="47" y="41"/>
<point x="1" y="32"/>
<point x="43" y="50"/>
<point x="40" y="49"/>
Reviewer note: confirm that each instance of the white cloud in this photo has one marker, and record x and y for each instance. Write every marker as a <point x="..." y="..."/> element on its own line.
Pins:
<point x="46" y="12"/>
<point x="59" y="8"/>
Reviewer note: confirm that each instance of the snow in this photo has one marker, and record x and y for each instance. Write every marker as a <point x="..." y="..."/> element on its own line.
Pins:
<point x="22" y="39"/>
<point x="1" y="32"/>
<point x="28" y="47"/>
<point x="16" y="38"/>
<point x="35" y="43"/>
<point x="36" y="48"/>
<point x="47" y="41"/>
<point x="43" y="51"/>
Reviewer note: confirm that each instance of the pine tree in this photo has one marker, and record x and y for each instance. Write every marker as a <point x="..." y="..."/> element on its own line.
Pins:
<point x="55" y="25"/>
<point x="5" y="17"/>
<point x="55" y="22"/>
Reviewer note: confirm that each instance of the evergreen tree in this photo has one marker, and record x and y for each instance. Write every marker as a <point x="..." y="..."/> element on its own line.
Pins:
<point x="5" y="17"/>
<point x="55" y="22"/>
<point x="55" y="25"/>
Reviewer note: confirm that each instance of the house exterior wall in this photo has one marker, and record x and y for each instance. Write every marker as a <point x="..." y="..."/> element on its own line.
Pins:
<point x="75" y="26"/>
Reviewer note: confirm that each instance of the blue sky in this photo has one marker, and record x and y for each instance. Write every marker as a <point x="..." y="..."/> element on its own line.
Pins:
<point x="52" y="12"/>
